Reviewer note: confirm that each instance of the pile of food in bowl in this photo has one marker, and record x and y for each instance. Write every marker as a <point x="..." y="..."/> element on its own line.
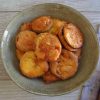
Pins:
<point x="49" y="48"/>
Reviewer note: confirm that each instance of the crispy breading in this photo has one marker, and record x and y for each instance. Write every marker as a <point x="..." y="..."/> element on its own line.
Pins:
<point x="78" y="53"/>
<point x="42" y="24"/>
<point x="64" y="42"/>
<point x="48" y="77"/>
<point x="57" y="26"/>
<point x="31" y="67"/>
<point x="19" y="54"/>
<point x="48" y="47"/>
<point x="66" y="66"/>
<point x="26" y="26"/>
<point x="25" y="41"/>
<point x="73" y="36"/>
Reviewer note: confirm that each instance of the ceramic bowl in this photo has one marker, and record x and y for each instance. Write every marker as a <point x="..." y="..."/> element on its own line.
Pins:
<point x="87" y="63"/>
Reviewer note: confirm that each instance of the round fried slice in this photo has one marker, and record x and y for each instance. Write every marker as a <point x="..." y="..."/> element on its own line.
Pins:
<point x="26" y="26"/>
<point x="64" y="42"/>
<point x="19" y="54"/>
<point x="73" y="36"/>
<point x="57" y="26"/>
<point x="25" y="41"/>
<point x="42" y="24"/>
<point x="48" y="77"/>
<point x="66" y="66"/>
<point x="31" y="67"/>
<point x="48" y="47"/>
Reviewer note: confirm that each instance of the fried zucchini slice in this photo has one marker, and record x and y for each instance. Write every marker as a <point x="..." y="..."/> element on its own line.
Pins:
<point x="42" y="24"/>
<point x="48" y="47"/>
<point x="31" y="67"/>
<point x="73" y="36"/>
<point x="25" y="41"/>
<point x="66" y="66"/>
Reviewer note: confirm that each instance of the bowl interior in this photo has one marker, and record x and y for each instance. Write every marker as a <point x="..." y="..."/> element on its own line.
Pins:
<point x="89" y="51"/>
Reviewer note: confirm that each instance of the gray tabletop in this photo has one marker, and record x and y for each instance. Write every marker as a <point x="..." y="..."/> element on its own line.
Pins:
<point x="8" y="9"/>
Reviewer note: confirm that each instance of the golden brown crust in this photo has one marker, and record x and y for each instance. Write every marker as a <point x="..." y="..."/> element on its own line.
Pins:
<point x="25" y="41"/>
<point x="42" y="24"/>
<point x="57" y="26"/>
<point x="19" y="54"/>
<point x="34" y="52"/>
<point x="48" y="77"/>
<point x="78" y="53"/>
<point x="73" y="36"/>
<point x="31" y="67"/>
<point x="48" y="47"/>
<point x="66" y="66"/>
<point x="63" y="41"/>
<point x="26" y="26"/>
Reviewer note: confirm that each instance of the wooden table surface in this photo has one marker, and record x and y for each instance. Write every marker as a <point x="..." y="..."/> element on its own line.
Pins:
<point x="8" y="9"/>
